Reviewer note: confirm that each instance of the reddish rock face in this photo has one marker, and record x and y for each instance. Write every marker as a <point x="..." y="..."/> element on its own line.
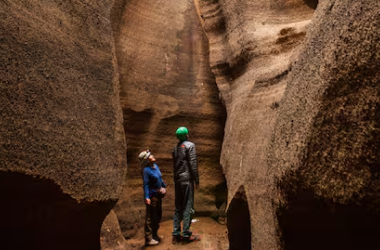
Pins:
<point x="298" y="82"/>
<point x="252" y="47"/>
<point x="166" y="82"/>
<point x="61" y="117"/>
<point x="326" y="139"/>
<point x="301" y="97"/>
<point x="110" y="235"/>
<point x="62" y="144"/>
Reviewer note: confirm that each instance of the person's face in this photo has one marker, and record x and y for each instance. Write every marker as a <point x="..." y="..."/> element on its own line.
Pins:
<point x="151" y="158"/>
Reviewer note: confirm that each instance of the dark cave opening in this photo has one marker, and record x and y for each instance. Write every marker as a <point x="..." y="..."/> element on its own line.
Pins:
<point x="311" y="223"/>
<point x="36" y="215"/>
<point x="312" y="3"/>
<point x="239" y="222"/>
<point x="221" y="192"/>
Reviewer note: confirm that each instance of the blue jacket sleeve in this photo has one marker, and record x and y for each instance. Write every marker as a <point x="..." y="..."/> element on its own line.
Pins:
<point x="163" y="184"/>
<point x="146" y="184"/>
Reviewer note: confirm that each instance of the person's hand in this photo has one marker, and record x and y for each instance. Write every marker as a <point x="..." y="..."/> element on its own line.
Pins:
<point x="163" y="190"/>
<point x="147" y="201"/>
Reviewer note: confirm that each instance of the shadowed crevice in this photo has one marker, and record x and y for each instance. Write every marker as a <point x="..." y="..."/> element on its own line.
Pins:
<point x="238" y="222"/>
<point x="136" y="124"/>
<point x="221" y="192"/>
<point x="36" y="215"/>
<point x="309" y="222"/>
<point x="237" y="67"/>
<point x="312" y="3"/>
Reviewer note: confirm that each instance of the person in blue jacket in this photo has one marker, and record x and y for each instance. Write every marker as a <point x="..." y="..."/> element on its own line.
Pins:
<point x="154" y="191"/>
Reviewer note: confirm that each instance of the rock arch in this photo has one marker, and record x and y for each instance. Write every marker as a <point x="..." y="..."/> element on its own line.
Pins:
<point x="239" y="222"/>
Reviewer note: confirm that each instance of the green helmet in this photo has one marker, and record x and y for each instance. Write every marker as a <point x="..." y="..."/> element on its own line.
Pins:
<point x="181" y="133"/>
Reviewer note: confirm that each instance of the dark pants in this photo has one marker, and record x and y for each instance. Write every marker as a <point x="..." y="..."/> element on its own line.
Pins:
<point x="153" y="217"/>
<point x="184" y="208"/>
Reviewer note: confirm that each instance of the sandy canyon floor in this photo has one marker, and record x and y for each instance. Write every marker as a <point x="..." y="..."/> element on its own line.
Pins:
<point x="213" y="236"/>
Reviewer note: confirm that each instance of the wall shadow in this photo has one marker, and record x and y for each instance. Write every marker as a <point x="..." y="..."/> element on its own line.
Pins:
<point x="36" y="215"/>
<point x="312" y="3"/>
<point x="239" y="222"/>
<point x="313" y="223"/>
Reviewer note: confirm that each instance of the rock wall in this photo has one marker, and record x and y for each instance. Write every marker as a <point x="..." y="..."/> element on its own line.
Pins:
<point x="166" y="82"/>
<point x="111" y="237"/>
<point x="325" y="145"/>
<point x="300" y="86"/>
<point x="62" y="144"/>
<point x="253" y="45"/>
<point x="298" y="115"/>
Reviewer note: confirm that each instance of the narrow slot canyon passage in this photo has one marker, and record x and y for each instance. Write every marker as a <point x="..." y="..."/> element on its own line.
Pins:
<point x="166" y="82"/>
<point x="63" y="120"/>
<point x="267" y="89"/>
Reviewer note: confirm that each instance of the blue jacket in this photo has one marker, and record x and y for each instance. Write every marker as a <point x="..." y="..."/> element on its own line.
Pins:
<point x="152" y="181"/>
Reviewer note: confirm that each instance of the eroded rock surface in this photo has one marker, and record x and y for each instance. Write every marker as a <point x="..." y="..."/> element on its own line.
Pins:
<point x="298" y="81"/>
<point x="301" y="93"/>
<point x="111" y="237"/>
<point x="62" y="144"/>
<point x="252" y="47"/>
<point x="325" y="146"/>
<point x="166" y="82"/>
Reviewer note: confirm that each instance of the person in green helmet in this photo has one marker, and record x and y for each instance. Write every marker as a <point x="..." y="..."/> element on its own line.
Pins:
<point x="186" y="177"/>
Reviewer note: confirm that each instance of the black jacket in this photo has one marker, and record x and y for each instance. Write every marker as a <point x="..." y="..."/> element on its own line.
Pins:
<point x="185" y="163"/>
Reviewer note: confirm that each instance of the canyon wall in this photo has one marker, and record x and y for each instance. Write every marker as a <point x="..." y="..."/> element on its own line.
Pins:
<point x="280" y="97"/>
<point x="166" y="82"/>
<point x="62" y="143"/>
<point x="325" y="143"/>
<point x="300" y="83"/>
<point x="253" y="45"/>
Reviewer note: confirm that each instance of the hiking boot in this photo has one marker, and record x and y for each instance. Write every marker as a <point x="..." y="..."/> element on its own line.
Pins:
<point x="191" y="238"/>
<point x="158" y="237"/>
<point x="152" y="242"/>
<point x="176" y="239"/>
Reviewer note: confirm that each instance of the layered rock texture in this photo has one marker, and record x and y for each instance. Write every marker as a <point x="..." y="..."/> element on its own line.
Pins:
<point x="301" y="89"/>
<point x="280" y="97"/>
<point x="62" y="144"/>
<point x="166" y="82"/>
<point x="253" y="45"/>
<point x="325" y="144"/>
